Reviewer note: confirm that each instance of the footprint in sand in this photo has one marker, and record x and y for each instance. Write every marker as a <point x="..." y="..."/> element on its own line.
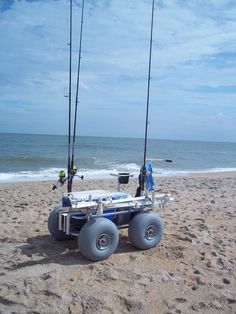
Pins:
<point x="200" y="281"/>
<point x="231" y="300"/>
<point x="199" y="306"/>
<point x="209" y="264"/>
<point x="226" y="281"/>
<point x="180" y="300"/>
<point x="203" y="254"/>
<point x="196" y="272"/>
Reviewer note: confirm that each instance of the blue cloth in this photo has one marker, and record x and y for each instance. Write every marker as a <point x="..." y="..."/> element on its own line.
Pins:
<point x="149" y="178"/>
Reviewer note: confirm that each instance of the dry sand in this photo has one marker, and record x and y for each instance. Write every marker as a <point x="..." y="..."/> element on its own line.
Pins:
<point x="191" y="271"/>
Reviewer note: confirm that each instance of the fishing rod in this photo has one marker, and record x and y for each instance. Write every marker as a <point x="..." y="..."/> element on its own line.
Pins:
<point x="71" y="168"/>
<point x="143" y="169"/>
<point x="69" y="183"/>
<point x="77" y="92"/>
<point x="148" y="87"/>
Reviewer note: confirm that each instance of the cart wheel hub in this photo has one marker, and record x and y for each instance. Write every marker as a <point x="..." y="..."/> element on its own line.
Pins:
<point x="150" y="232"/>
<point x="103" y="241"/>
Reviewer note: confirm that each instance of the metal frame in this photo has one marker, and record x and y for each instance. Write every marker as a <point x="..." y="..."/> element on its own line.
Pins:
<point x="84" y="210"/>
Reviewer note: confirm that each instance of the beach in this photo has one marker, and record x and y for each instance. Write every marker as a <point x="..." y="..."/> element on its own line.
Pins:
<point x="192" y="270"/>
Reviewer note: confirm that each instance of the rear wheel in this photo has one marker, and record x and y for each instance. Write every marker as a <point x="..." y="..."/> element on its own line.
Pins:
<point x="98" y="239"/>
<point x="53" y="226"/>
<point x="145" y="230"/>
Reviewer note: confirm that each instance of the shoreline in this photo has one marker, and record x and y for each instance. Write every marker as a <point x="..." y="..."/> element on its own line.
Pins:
<point x="210" y="174"/>
<point x="194" y="266"/>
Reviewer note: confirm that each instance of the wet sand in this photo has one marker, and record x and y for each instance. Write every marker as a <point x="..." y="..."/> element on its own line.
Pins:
<point x="192" y="270"/>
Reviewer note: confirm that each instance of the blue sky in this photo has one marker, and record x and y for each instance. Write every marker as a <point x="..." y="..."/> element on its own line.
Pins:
<point x="193" y="88"/>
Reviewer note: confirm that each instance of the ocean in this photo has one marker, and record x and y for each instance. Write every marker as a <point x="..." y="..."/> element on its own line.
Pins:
<point x="27" y="157"/>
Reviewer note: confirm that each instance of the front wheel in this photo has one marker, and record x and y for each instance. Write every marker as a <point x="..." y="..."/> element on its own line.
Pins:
<point x="98" y="239"/>
<point x="145" y="230"/>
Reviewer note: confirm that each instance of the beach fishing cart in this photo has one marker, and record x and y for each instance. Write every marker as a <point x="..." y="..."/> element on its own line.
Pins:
<point x="96" y="216"/>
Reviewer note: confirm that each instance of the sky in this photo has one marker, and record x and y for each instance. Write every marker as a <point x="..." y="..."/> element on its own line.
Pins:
<point x="193" y="77"/>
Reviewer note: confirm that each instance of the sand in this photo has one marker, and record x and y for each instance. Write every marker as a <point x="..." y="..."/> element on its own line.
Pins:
<point x="192" y="270"/>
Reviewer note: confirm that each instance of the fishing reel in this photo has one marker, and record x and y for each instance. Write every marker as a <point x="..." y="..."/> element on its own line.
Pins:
<point x="62" y="177"/>
<point x="73" y="173"/>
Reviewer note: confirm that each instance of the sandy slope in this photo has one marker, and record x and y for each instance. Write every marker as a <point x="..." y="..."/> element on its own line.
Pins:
<point x="191" y="271"/>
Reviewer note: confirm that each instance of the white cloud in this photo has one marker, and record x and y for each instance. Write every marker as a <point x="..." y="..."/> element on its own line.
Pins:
<point x="194" y="47"/>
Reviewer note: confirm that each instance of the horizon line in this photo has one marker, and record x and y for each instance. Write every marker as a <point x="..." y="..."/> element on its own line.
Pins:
<point x="123" y="137"/>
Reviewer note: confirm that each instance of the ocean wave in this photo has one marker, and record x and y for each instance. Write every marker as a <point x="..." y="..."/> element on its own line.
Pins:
<point x="21" y="176"/>
<point x="52" y="173"/>
<point x="167" y="173"/>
